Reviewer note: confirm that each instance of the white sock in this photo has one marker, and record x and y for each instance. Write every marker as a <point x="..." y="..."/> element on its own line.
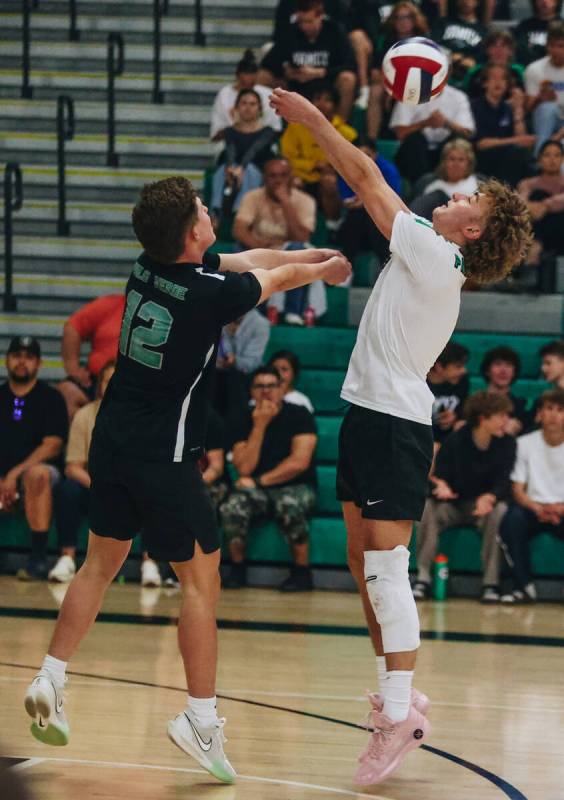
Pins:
<point x="56" y="668"/>
<point x="382" y="672"/>
<point x="204" y="709"/>
<point x="397" y="694"/>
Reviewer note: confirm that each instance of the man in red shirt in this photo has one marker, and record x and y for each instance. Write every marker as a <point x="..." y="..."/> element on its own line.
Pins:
<point x="99" y="323"/>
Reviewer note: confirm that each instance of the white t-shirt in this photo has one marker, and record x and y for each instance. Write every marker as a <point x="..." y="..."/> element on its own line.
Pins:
<point x="540" y="467"/>
<point x="543" y="70"/>
<point x="407" y="322"/>
<point x="453" y="103"/>
<point x="467" y="185"/>
<point x="299" y="399"/>
<point x="224" y="103"/>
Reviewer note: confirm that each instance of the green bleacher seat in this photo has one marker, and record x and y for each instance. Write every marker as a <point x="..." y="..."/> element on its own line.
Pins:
<point x="327" y="503"/>
<point x="327" y="543"/>
<point x="527" y="345"/>
<point x="328" y="436"/>
<point x="316" y="347"/>
<point x="365" y="268"/>
<point x="323" y="387"/>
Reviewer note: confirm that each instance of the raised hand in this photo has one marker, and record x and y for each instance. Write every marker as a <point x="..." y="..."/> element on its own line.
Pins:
<point x="292" y="106"/>
<point x="337" y="269"/>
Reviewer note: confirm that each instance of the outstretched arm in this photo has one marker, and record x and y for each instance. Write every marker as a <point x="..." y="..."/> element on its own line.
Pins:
<point x="359" y="171"/>
<point x="261" y="258"/>
<point x="289" y="276"/>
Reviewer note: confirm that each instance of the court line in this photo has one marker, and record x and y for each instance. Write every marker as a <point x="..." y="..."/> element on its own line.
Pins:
<point x="338" y="698"/>
<point x="288" y="627"/>
<point x="510" y="791"/>
<point x="162" y="768"/>
<point x="29" y="762"/>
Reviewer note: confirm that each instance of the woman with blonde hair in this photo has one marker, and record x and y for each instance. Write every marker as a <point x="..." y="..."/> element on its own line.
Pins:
<point x="454" y="174"/>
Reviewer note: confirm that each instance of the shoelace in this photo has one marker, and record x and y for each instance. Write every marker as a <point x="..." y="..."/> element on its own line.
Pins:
<point x="219" y="727"/>
<point x="378" y="742"/>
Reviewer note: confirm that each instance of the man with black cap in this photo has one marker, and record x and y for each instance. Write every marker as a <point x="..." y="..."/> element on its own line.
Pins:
<point x="33" y="429"/>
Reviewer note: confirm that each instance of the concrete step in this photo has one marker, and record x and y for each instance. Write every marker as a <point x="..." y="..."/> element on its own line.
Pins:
<point x="55" y="294"/>
<point x="98" y="258"/>
<point x="94" y="184"/>
<point x="39" y="116"/>
<point x="212" y="9"/>
<point x="129" y="88"/>
<point x="91" y="220"/>
<point x="90" y="149"/>
<point x="188" y="60"/>
<point x="175" y="30"/>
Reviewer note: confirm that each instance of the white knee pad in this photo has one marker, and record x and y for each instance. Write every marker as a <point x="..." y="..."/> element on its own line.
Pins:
<point x="387" y="582"/>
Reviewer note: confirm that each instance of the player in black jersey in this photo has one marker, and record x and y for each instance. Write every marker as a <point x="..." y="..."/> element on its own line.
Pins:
<point x="148" y="437"/>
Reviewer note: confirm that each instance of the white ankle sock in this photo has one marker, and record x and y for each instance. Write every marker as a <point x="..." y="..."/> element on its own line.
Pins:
<point x="56" y="668"/>
<point x="204" y="709"/>
<point x="382" y="672"/>
<point x="397" y="694"/>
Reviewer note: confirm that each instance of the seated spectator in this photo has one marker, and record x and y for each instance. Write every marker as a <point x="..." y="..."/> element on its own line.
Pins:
<point x="538" y="494"/>
<point x="310" y="164"/>
<point x="278" y="216"/>
<point x="358" y="232"/>
<point x="287" y="365"/>
<point x="544" y="85"/>
<point x="248" y="145"/>
<point x="552" y="363"/>
<point x="471" y="488"/>
<point x="71" y="498"/>
<point x="500" y="368"/>
<point x="315" y="48"/>
<point x="455" y="173"/>
<point x="33" y="430"/>
<point x="448" y="380"/>
<point x="499" y="46"/>
<point x="273" y="452"/>
<point x="544" y="195"/>
<point x="463" y="35"/>
<point x="423" y="130"/>
<point x="363" y="23"/>
<point x="240" y="352"/>
<point x="99" y="323"/>
<point x="285" y="16"/>
<point x="531" y="33"/>
<point x="502" y="142"/>
<point x="223" y="113"/>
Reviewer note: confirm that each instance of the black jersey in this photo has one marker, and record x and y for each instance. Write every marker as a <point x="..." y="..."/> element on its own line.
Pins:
<point x="156" y="405"/>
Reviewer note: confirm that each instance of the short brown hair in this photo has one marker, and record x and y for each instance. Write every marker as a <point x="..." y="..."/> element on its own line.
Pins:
<point x="552" y="397"/>
<point x="505" y="239"/>
<point x="555" y="30"/>
<point x="164" y="213"/>
<point x="485" y="404"/>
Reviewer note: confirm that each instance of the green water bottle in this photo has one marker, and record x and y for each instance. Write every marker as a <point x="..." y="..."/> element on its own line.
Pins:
<point x="440" y="577"/>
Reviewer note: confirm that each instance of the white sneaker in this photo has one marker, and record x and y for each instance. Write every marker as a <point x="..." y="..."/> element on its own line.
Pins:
<point x="203" y="744"/>
<point x="293" y="319"/>
<point x="150" y="575"/>
<point x="63" y="571"/>
<point x="44" y="704"/>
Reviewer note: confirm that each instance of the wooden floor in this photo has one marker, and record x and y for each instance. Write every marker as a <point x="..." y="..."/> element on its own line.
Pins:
<point x="495" y="677"/>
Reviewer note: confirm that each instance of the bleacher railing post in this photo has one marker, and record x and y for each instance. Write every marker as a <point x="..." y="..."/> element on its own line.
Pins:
<point x="65" y="132"/>
<point x="26" y="90"/>
<point x="199" y="35"/>
<point x="160" y="7"/>
<point x="115" y="65"/>
<point x="13" y="200"/>
<point x="74" y="33"/>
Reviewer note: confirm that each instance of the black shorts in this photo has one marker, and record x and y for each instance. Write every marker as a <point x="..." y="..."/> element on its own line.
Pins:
<point x="167" y="502"/>
<point x="384" y="463"/>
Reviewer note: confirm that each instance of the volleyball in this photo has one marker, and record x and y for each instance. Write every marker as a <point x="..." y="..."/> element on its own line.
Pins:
<point x="415" y="70"/>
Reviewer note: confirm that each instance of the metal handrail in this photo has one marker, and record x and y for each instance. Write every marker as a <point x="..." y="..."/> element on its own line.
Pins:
<point x="65" y="132"/>
<point x="160" y="8"/>
<point x="26" y="90"/>
<point x="13" y="201"/>
<point x="199" y="35"/>
<point x="74" y="33"/>
<point x="115" y="64"/>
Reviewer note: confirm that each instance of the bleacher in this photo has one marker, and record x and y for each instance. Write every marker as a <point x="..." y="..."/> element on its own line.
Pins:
<point x="54" y="275"/>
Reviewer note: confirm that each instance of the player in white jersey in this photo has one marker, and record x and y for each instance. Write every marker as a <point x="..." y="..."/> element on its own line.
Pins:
<point x="386" y="443"/>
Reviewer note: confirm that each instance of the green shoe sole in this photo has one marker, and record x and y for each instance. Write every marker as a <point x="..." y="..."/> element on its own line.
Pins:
<point x="50" y="735"/>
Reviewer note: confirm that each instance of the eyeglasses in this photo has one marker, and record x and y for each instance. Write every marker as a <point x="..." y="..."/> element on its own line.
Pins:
<point x="405" y="16"/>
<point x="17" y="411"/>
<point x="265" y="385"/>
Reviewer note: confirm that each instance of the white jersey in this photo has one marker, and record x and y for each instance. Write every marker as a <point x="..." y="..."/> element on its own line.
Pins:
<point x="407" y="322"/>
<point x="540" y="467"/>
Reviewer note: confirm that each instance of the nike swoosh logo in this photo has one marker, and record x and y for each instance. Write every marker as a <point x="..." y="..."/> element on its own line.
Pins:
<point x="59" y="706"/>
<point x="204" y="745"/>
<point x="373" y="502"/>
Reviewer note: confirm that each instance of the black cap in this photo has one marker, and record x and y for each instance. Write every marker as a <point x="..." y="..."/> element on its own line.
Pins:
<point x="28" y="343"/>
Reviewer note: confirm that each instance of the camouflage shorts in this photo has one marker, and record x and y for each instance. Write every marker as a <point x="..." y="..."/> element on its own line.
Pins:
<point x="289" y="506"/>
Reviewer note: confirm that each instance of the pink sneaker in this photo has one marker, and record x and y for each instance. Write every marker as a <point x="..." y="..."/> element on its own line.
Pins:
<point x="419" y="701"/>
<point x="389" y="744"/>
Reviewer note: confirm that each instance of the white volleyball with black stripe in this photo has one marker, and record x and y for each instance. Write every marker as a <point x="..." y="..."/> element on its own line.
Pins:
<point x="415" y="70"/>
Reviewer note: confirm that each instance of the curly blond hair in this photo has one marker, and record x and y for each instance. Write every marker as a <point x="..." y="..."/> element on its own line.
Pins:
<point x="506" y="238"/>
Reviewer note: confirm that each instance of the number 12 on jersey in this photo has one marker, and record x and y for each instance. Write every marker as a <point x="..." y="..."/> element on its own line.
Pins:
<point x="144" y="339"/>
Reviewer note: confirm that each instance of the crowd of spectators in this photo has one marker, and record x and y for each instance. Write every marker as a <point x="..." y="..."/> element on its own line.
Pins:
<point x="501" y="114"/>
<point x="499" y="459"/>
